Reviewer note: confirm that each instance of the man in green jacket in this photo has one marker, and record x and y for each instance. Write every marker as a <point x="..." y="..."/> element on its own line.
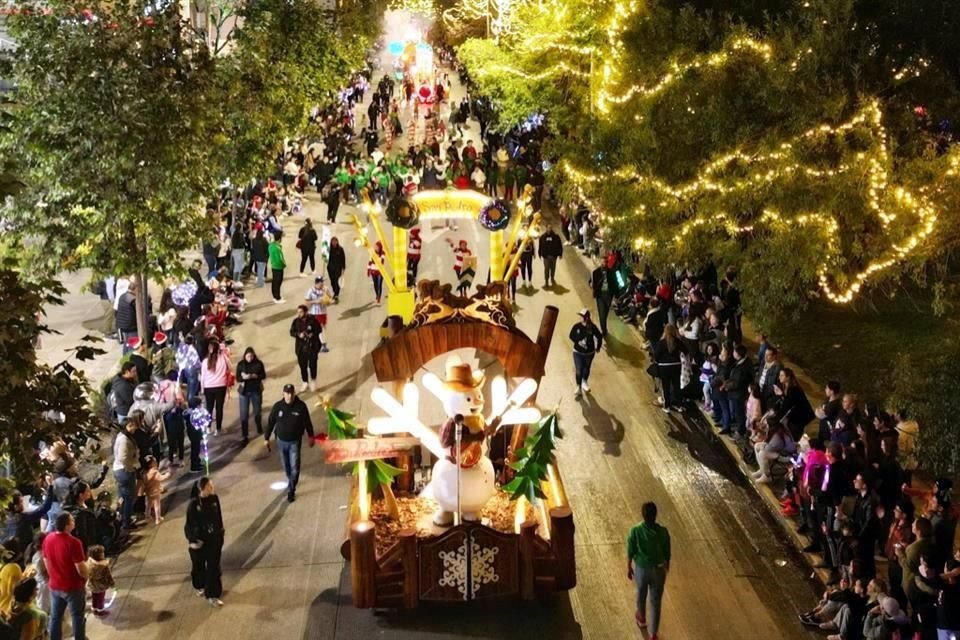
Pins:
<point x="648" y="560"/>
<point x="277" y="264"/>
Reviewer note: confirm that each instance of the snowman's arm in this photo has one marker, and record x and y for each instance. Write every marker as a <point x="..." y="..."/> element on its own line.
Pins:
<point x="401" y="420"/>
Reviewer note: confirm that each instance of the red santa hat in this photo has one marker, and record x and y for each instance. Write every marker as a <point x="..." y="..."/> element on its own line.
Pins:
<point x="133" y="342"/>
<point x="415" y="231"/>
<point x="159" y="338"/>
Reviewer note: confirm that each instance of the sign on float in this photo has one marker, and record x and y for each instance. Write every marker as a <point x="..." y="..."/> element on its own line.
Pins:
<point x="355" y="450"/>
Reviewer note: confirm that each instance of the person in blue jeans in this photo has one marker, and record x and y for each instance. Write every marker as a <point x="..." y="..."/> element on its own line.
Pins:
<point x="648" y="561"/>
<point x="250" y="376"/>
<point x="126" y="463"/>
<point x="290" y="418"/>
<point x="66" y="565"/>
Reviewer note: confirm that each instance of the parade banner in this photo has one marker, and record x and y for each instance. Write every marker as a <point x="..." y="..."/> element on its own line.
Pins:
<point x="354" y="450"/>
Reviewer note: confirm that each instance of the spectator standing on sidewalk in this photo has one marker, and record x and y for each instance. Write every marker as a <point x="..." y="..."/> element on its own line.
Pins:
<point x="277" y="265"/>
<point x="648" y="561"/>
<point x="290" y="418"/>
<point x="66" y="564"/>
<point x="550" y="250"/>
<point x="259" y="255"/>
<point x="587" y="340"/>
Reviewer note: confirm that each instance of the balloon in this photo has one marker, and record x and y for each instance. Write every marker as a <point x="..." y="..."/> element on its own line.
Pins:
<point x="395" y="48"/>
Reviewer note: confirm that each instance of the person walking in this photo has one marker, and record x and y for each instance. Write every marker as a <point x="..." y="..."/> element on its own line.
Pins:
<point x="306" y="332"/>
<point x="331" y="197"/>
<point x="374" y="272"/>
<point x="259" y="255"/>
<point x="290" y="418"/>
<point x="318" y="297"/>
<point x="67" y="572"/>
<point x="648" y="561"/>
<point x="666" y="355"/>
<point x="204" y="532"/>
<point x="604" y="284"/>
<point x="336" y="265"/>
<point x="526" y="263"/>
<point x="214" y="374"/>
<point x="550" y="250"/>
<point x="307" y="243"/>
<point x="414" y="248"/>
<point x="587" y="340"/>
<point x="250" y="376"/>
<point x="277" y="264"/>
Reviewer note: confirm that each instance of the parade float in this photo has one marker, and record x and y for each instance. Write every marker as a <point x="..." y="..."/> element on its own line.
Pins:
<point x="493" y="520"/>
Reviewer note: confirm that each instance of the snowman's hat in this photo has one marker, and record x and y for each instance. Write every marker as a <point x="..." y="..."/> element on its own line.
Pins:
<point x="462" y="377"/>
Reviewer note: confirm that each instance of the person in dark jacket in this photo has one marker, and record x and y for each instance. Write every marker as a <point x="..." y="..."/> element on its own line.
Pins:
<point x="735" y="389"/>
<point x="655" y="321"/>
<point x="259" y="253"/>
<point x="587" y="340"/>
<point x="290" y="419"/>
<point x="666" y="354"/>
<point x="19" y="524"/>
<point x="122" y="388"/>
<point x="603" y="281"/>
<point x="308" y="246"/>
<point x="336" y="265"/>
<point x="204" y="532"/>
<point x="127" y="316"/>
<point x="791" y="403"/>
<point x="306" y="332"/>
<point x="250" y="376"/>
<point x="947" y="588"/>
<point x="332" y="200"/>
<point x="550" y="250"/>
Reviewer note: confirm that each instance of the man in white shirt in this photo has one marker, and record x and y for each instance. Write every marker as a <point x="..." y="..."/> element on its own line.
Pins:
<point x="317" y="299"/>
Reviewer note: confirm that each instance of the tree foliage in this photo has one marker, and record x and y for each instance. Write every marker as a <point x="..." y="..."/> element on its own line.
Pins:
<point x="115" y="129"/>
<point x="805" y="143"/>
<point x="40" y="403"/>
<point x="532" y="459"/>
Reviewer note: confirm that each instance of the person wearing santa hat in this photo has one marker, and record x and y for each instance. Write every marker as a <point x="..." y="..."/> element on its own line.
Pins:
<point x="139" y="356"/>
<point x="164" y="358"/>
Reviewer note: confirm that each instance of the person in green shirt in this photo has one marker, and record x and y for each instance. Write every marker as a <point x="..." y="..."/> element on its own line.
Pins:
<point x="277" y="264"/>
<point x="648" y="561"/>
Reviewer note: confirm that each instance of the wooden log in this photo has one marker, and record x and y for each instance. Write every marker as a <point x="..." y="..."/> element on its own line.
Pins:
<point x="527" y="532"/>
<point x="353" y="514"/>
<point x="411" y="569"/>
<point x="561" y="540"/>
<point x="405" y="481"/>
<point x="548" y="323"/>
<point x="363" y="564"/>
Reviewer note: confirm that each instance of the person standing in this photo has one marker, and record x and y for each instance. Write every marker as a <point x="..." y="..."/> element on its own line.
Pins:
<point x="277" y="264"/>
<point x="551" y="249"/>
<point x="290" y="418"/>
<point x="259" y="254"/>
<point x="604" y="284"/>
<point x="307" y="243"/>
<point x="306" y="332"/>
<point x="238" y="249"/>
<point x="122" y="388"/>
<point x="648" y="561"/>
<point x="67" y="572"/>
<point x="318" y="298"/>
<point x="214" y="374"/>
<point x="250" y="376"/>
<point x="666" y="355"/>
<point x="204" y="532"/>
<point x="336" y="265"/>
<point x="331" y="198"/>
<point x="587" y="340"/>
<point x="127" y="316"/>
<point x="126" y="464"/>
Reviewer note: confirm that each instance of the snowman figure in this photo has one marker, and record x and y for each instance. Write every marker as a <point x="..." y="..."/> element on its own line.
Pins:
<point x="463" y="404"/>
<point x="461" y="394"/>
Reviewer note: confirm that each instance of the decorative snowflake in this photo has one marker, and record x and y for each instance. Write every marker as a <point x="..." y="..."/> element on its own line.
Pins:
<point x="482" y="568"/>
<point x="483" y="565"/>
<point x="455" y="569"/>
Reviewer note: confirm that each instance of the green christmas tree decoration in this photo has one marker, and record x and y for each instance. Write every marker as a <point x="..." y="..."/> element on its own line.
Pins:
<point x="532" y="460"/>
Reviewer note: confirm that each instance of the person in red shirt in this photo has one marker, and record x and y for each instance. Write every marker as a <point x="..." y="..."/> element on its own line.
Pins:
<point x="66" y="565"/>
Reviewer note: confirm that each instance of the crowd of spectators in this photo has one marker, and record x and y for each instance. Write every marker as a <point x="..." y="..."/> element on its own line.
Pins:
<point x="846" y="470"/>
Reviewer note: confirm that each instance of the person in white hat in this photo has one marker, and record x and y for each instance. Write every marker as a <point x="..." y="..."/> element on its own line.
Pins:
<point x="587" y="340"/>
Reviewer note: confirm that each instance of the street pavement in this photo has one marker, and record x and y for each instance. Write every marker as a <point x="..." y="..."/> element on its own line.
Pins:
<point x="732" y="576"/>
